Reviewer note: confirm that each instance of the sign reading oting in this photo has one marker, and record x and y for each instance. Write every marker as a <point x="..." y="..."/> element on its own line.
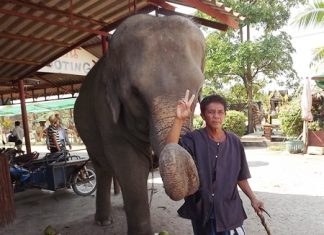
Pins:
<point x="77" y="62"/>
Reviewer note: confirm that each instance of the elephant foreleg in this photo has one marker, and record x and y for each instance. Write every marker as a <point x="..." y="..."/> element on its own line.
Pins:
<point x="133" y="182"/>
<point x="137" y="207"/>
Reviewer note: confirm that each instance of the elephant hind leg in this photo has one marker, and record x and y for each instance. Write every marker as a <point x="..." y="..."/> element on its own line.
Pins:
<point x="103" y="215"/>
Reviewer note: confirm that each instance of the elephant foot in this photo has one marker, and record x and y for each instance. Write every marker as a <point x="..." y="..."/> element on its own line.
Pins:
<point x="104" y="222"/>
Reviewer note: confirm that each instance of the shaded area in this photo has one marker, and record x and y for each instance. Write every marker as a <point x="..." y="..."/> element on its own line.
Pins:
<point x="71" y="214"/>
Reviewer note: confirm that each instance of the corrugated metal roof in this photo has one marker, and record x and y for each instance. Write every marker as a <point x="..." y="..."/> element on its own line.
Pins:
<point x="36" y="32"/>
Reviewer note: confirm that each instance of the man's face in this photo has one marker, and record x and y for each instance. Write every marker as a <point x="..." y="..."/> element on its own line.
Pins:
<point x="214" y="115"/>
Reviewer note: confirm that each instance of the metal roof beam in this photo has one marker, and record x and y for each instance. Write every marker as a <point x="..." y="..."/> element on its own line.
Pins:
<point x="212" y="12"/>
<point x="13" y="61"/>
<point x="50" y="82"/>
<point x="208" y="23"/>
<point x="57" y="12"/>
<point x="163" y="4"/>
<point x="32" y="39"/>
<point x="52" y="22"/>
<point x="107" y="28"/>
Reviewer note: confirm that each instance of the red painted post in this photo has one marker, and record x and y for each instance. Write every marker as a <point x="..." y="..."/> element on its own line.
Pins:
<point x="24" y="114"/>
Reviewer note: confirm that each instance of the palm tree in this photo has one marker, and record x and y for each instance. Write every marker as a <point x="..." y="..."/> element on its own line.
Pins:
<point x="313" y="15"/>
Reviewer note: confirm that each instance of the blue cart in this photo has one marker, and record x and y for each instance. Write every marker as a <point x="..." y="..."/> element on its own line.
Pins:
<point x="53" y="172"/>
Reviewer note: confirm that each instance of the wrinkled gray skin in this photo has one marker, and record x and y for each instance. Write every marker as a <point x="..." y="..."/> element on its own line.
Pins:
<point x="127" y="102"/>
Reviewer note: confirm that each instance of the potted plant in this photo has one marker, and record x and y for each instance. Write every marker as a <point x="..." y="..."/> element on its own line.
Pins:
<point x="316" y="134"/>
<point x="292" y="126"/>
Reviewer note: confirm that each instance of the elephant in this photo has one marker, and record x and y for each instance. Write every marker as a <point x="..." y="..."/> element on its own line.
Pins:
<point x="126" y="107"/>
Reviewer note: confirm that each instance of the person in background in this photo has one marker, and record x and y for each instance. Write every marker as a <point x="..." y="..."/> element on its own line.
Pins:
<point x="52" y="139"/>
<point x="18" y="132"/>
<point x="216" y="208"/>
<point x="63" y="136"/>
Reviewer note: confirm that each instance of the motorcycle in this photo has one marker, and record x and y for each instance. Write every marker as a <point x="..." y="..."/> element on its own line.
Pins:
<point x="54" y="171"/>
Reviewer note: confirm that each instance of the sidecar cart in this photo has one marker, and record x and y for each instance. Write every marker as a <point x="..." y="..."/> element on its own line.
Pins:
<point x="62" y="170"/>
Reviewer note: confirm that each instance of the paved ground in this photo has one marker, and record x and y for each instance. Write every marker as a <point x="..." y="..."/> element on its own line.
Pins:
<point x="291" y="186"/>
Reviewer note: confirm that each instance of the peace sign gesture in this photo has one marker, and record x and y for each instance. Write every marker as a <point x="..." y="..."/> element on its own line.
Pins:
<point x="184" y="106"/>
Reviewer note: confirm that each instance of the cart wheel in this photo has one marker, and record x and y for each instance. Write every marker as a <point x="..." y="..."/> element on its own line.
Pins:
<point x="84" y="182"/>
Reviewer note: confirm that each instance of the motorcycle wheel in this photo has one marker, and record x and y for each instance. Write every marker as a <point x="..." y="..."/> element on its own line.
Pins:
<point x="84" y="182"/>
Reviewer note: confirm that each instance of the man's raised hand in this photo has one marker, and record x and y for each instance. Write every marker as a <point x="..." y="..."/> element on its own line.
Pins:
<point x="184" y="106"/>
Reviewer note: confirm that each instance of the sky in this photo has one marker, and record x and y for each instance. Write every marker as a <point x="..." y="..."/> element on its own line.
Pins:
<point x="304" y="40"/>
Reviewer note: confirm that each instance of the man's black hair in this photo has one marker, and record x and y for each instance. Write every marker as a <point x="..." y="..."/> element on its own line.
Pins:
<point x="17" y="123"/>
<point x="212" y="99"/>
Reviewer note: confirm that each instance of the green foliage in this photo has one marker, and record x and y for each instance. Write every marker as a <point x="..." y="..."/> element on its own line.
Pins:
<point x="6" y="124"/>
<point x="270" y="15"/>
<point x="290" y="118"/>
<point x="313" y="16"/>
<point x="316" y="126"/>
<point x="268" y="57"/>
<point x="235" y="122"/>
<point x="234" y="58"/>
<point x="197" y="122"/>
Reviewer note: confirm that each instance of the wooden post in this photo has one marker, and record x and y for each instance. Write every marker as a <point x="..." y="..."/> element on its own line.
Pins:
<point x="7" y="209"/>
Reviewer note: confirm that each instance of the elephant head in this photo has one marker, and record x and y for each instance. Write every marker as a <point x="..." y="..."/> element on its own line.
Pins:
<point x="149" y="70"/>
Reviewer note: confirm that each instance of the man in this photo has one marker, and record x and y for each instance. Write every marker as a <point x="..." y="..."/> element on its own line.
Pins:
<point x="216" y="208"/>
<point x="19" y="133"/>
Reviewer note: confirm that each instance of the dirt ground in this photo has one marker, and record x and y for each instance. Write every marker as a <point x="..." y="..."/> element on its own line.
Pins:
<point x="291" y="186"/>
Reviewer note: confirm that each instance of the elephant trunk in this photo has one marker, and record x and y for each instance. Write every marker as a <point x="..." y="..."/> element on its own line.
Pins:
<point x="177" y="168"/>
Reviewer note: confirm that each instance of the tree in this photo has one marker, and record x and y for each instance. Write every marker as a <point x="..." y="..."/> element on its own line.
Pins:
<point x="313" y="15"/>
<point x="233" y="56"/>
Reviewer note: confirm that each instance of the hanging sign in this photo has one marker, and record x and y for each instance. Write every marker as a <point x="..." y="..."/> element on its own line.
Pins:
<point x="77" y="62"/>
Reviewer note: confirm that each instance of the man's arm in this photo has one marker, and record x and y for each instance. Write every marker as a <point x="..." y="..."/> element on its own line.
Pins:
<point x="256" y="204"/>
<point x="66" y="138"/>
<point x="174" y="134"/>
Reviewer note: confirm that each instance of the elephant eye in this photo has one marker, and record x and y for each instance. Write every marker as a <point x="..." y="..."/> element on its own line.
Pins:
<point x="137" y="99"/>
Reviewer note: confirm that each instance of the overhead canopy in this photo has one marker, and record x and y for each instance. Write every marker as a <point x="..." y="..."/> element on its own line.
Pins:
<point x="37" y="107"/>
<point x="34" y="33"/>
